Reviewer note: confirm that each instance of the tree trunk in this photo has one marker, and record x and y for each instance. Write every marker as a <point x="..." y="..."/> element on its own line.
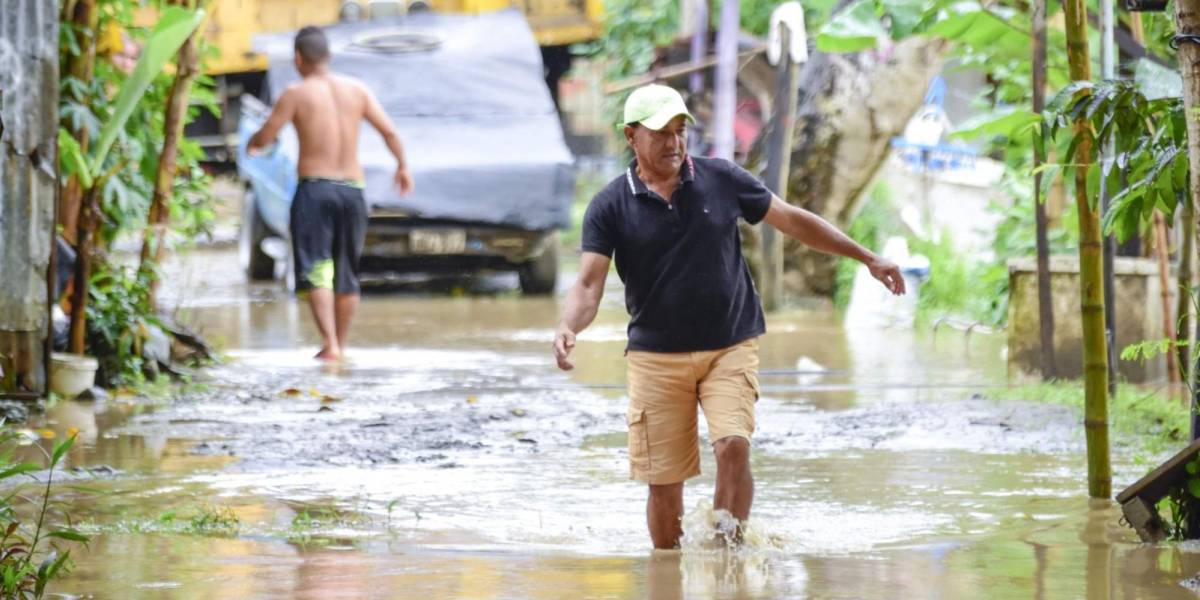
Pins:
<point x="1162" y="250"/>
<point x="158" y="219"/>
<point x="1091" y="272"/>
<point x="1183" y="287"/>
<point x="1045" y="302"/>
<point x="1187" y="22"/>
<point x="85" y="236"/>
<point x="851" y="106"/>
<point x="85" y="17"/>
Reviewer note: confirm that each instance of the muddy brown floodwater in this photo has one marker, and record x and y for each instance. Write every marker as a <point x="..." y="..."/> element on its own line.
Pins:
<point x="448" y="458"/>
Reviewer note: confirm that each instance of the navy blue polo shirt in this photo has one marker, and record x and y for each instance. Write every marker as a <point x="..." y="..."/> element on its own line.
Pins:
<point x="687" y="286"/>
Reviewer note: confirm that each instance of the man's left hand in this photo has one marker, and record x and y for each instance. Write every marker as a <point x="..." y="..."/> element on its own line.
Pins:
<point x="888" y="273"/>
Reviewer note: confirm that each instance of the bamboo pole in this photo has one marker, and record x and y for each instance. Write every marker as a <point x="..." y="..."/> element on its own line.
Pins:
<point x="1045" y="302"/>
<point x="1091" y="271"/>
<point x="159" y="217"/>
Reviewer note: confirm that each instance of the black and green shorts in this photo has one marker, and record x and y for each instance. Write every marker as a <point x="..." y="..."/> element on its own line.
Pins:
<point x="329" y="225"/>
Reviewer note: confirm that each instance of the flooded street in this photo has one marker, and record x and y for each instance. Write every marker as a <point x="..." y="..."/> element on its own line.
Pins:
<point x="449" y="458"/>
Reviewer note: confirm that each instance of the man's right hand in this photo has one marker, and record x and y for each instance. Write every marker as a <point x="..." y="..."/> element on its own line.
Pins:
<point x="404" y="180"/>
<point x="564" y="342"/>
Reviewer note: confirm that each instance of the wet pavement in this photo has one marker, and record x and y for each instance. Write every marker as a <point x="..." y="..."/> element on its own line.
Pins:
<point x="449" y="458"/>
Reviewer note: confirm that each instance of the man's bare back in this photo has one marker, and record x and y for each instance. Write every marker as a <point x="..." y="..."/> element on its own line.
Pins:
<point x="328" y="219"/>
<point x="327" y="110"/>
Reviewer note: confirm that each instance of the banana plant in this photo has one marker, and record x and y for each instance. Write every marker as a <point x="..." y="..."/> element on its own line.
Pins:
<point x="94" y="168"/>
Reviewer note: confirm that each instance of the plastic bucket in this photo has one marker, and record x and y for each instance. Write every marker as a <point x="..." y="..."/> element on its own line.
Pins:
<point x="71" y="374"/>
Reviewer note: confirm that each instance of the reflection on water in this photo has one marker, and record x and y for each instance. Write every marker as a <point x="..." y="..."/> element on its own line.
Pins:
<point x="448" y="458"/>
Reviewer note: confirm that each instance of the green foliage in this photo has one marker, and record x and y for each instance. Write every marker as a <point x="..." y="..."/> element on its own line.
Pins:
<point x="33" y="550"/>
<point x="121" y="118"/>
<point x="970" y="288"/>
<point x="214" y="521"/>
<point x="1148" y="136"/>
<point x="756" y="14"/>
<point x="172" y="28"/>
<point x="119" y="319"/>
<point x="633" y="31"/>
<point x="1183" y="504"/>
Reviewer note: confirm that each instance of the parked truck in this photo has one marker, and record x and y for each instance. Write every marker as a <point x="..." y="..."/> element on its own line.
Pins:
<point x="493" y="176"/>
<point x="239" y="68"/>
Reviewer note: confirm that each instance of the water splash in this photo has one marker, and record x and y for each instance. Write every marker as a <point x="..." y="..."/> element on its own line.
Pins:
<point x="708" y="530"/>
<point x="713" y="561"/>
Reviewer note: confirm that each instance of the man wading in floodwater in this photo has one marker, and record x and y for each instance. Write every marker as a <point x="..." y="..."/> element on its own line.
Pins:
<point x="671" y="222"/>
<point x="329" y="216"/>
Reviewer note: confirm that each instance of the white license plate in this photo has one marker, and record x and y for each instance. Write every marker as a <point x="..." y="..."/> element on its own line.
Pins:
<point x="437" y="241"/>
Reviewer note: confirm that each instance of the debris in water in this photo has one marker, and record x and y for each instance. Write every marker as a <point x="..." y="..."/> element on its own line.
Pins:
<point x="292" y="392"/>
<point x="472" y="399"/>
<point x="1191" y="583"/>
<point x="330" y="399"/>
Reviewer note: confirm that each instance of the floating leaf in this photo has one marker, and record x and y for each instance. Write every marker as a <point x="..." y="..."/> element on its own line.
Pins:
<point x="293" y="392"/>
<point x="330" y="399"/>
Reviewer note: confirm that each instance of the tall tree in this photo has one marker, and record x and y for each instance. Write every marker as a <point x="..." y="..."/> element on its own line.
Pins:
<point x="1187" y="29"/>
<point x="1091" y="269"/>
<point x="851" y="106"/>
<point x="1045" y="303"/>
<point x="157" y="221"/>
<point x="83" y="17"/>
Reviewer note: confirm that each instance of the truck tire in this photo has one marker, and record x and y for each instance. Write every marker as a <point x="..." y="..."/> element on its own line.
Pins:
<point x="539" y="276"/>
<point x="258" y="265"/>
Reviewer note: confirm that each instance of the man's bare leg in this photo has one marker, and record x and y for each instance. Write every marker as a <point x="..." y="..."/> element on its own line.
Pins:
<point x="344" y="309"/>
<point x="321" y="301"/>
<point x="735" y="483"/>
<point x="664" y="514"/>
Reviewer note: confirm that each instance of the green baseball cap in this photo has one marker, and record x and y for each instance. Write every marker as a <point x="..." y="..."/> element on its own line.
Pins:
<point x="654" y="106"/>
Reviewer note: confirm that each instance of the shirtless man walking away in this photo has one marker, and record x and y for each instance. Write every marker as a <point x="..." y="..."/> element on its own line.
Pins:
<point x="329" y="215"/>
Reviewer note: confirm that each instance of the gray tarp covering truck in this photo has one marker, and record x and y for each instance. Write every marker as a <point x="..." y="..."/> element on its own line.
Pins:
<point x="493" y="176"/>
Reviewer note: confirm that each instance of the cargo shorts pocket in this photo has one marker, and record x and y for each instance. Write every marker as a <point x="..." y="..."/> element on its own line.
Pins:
<point x="639" y="444"/>
<point x="752" y="391"/>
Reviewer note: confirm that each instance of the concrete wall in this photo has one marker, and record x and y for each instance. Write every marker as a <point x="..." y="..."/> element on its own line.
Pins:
<point x="28" y="184"/>
<point x="1138" y="317"/>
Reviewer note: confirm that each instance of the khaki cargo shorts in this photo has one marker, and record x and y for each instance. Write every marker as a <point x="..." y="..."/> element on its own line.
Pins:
<point x="666" y="388"/>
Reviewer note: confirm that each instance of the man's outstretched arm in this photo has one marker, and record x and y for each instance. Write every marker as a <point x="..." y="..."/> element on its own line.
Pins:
<point x="820" y="235"/>
<point x="281" y="114"/>
<point x="380" y="121"/>
<point x="579" y="310"/>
